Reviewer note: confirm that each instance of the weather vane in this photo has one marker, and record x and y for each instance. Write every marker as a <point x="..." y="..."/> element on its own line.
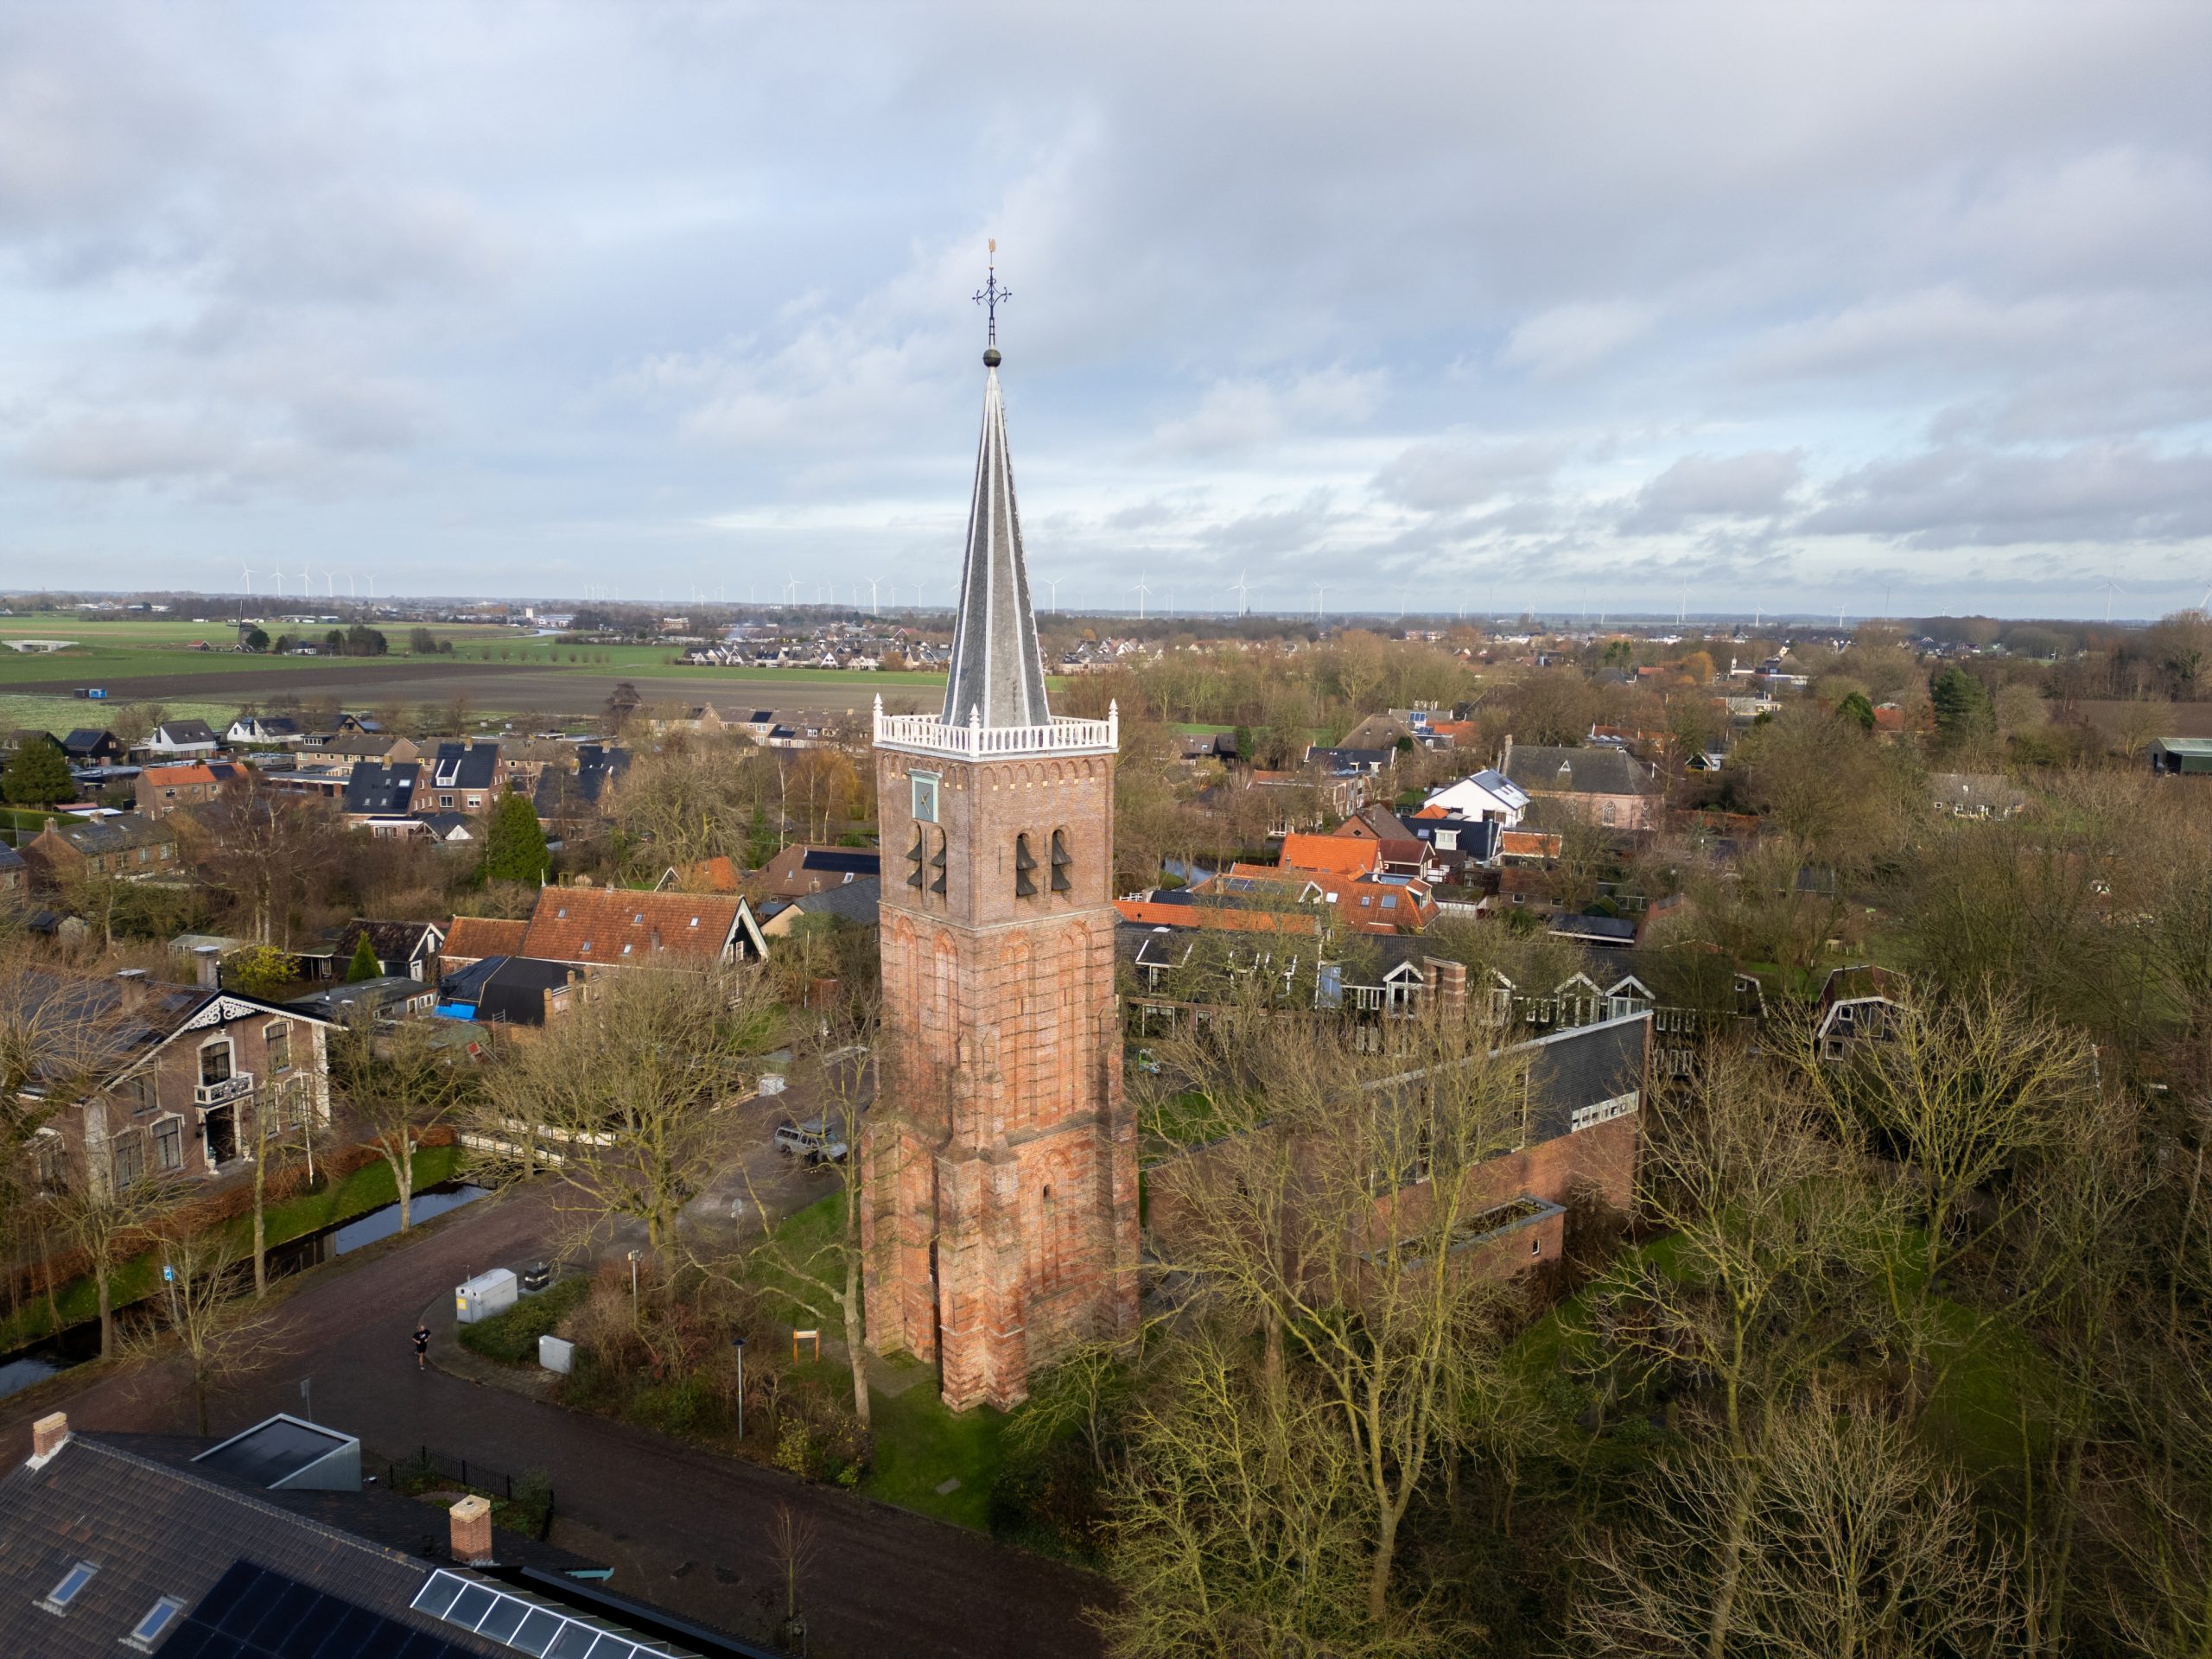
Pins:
<point x="990" y="295"/>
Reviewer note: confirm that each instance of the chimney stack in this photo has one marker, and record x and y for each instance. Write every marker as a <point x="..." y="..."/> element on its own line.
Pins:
<point x="47" y="1434"/>
<point x="207" y="962"/>
<point x="471" y="1532"/>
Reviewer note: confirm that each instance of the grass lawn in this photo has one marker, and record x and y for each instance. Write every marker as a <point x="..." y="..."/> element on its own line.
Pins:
<point x="370" y="1187"/>
<point x="920" y="1445"/>
<point x="25" y="710"/>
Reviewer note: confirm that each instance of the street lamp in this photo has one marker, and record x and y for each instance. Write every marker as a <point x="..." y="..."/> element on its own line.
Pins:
<point x="634" y="1254"/>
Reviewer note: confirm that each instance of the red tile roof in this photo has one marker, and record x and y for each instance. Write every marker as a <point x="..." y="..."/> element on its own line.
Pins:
<point x="600" y="926"/>
<point x="479" y="936"/>
<point x="1227" y="917"/>
<point x="1337" y="854"/>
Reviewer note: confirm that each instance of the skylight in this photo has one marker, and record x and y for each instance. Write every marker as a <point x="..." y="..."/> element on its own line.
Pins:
<point x="149" y="1630"/>
<point x="58" y="1598"/>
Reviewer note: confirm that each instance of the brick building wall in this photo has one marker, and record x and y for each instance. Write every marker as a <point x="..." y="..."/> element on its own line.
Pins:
<point x="1000" y="1223"/>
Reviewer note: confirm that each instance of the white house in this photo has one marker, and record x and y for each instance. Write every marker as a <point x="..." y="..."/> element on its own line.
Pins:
<point x="182" y="737"/>
<point x="1487" y="797"/>
<point x="265" y="728"/>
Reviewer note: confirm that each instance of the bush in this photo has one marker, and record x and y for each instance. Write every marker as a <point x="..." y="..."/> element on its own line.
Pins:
<point x="511" y="1338"/>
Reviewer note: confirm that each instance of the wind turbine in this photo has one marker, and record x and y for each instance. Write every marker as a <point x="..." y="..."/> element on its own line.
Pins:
<point x="279" y="574"/>
<point x="1141" y="591"/>
<point x="246" y="570"/>
<point x="330" y="584"/>
<point x="872" y="581"/>
<point x="1320" y="594"/>
<point x="1242" y="589"/>
<point x="351" y="593"/>
<point x="306" y="592"/>
<point x="1053" y="582"/>
<point x="2110" y="588"/>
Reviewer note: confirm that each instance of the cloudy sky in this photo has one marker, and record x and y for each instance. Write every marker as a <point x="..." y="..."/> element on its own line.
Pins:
<point x="1627" y="305"/>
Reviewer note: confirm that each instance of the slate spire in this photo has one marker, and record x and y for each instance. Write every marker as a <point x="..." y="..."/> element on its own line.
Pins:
<point x="997" y="673"/>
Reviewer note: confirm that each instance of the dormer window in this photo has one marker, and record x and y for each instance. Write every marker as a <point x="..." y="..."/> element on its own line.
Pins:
<point x="1025" y="866"/>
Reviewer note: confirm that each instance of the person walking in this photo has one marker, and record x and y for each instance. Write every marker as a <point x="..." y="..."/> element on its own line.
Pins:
<point x="421" y="1347"/>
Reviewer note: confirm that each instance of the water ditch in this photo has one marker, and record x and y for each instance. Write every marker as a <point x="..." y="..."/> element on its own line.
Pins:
<point x="52" y="1354"/>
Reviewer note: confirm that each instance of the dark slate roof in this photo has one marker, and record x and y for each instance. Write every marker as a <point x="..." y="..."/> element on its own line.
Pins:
<point x="996" y="669"/>
<point x="1477" y="837"/>
<point x="86" y="739"/>
<point x="1581" y="1067"/>
<point x="392" y="941"/>
<point x="515" y="990"/>
<point x="155" y="1531"/>
<point x="10" y="858"/>
<point x="1545" y="767"/>
<point x="186" y="731"/>
<point x="1596" y="930"/>
<point x="464" y="766"/>
<point x="842" y="861"/>
<point x="853" y="902"/>
<point x="116" y="835"/>
<point x="375" y="787"/>
<point x="444" y="825"/>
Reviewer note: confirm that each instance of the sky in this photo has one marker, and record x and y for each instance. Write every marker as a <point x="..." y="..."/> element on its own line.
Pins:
<point x="1883" y="309"/>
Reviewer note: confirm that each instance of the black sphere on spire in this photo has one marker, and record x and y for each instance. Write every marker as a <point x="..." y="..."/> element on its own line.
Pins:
<point x="991" y="357"/>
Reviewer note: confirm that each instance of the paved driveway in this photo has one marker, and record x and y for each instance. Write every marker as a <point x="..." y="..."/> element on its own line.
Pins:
<point x="681" y="1527"/>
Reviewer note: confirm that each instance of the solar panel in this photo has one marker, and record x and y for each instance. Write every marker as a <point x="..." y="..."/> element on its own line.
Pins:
<point x="525" y="1623"/>
<point x="254" y="1613"/>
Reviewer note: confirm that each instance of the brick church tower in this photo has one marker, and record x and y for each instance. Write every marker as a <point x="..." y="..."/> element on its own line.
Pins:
<point x="1000" y="1209"/>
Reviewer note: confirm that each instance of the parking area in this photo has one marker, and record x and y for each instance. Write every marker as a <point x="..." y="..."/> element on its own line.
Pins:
<point x="759" y="1184"/>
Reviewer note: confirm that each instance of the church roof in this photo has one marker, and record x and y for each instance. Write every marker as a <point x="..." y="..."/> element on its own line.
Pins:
<point x="996" y="670"/>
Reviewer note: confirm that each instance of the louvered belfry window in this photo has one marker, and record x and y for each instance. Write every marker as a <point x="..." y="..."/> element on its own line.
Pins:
<point x="915" y="856"/>
<point x="1025" y="867"/>
<point x="1062" y="862"/>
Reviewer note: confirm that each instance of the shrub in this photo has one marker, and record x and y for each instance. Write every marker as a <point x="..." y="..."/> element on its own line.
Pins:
<point x="511" y="1338"/>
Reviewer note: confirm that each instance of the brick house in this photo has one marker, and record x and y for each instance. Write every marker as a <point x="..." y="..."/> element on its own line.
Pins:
<point x="472" y="939"/>
<point x="1606" y="786"/>
<point x="612" y="927"/>
<point x="800" y="869"/>
<point x="461" y="778"/>
<point x="128" y="846"/>
<point x="182" y="737"/>
<point x="161" y="790"/>
<point x="183" y="1070"/>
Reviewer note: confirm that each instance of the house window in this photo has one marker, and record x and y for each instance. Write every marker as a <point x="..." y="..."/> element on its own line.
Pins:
<point x="215" y="1062"/>
<point x="169" y="1144"/>
<point x="49" y="1162"/>
<point x="924" y="787"/>
<point x="1605" y="813"/>
<point x="1389" y="901"/>
<point x="148" y="1629"/>
<point x="58" y="1598"/>
<point x="277" y="1034"/>
<point x="130" y="1154"/>
<point x="475" y="801"/>
<point x="140" y="1093"/>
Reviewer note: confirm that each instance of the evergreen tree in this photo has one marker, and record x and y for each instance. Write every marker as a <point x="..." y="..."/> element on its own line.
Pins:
<point x="366" y="964"/>
<point x="1963" y="711"/>
<point x="1856" y="709"/>
<point x="514" y="844"/>
<point x="38" y="776"/>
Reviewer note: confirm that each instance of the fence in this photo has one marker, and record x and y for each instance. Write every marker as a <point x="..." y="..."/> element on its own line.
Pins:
<point x="522" y="1502"/>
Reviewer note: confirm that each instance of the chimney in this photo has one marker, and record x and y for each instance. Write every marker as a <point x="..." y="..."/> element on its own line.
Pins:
<point x="47" y="1434"/>
<point x="1505" y="761"/>
<point x="1450" y="982"/>
<point x="471" y="1542"/>
<point x="208" y="964"/>
<point x="133" y="982"/>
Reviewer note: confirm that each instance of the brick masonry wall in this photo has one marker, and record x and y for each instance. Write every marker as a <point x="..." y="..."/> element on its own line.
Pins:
<point x="1002" y="1149"/>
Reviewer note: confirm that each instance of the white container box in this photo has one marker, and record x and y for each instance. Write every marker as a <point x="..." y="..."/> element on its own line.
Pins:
<point x="556" y="1354"/>
<point x="484" y="1295"/>
<point x="772" y="1082"/>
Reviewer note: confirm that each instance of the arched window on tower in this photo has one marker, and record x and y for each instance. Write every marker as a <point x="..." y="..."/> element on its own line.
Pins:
<point x="937" y="865"/>
<point x="1061" y="862"/>
<point x="1025" y="869"/>
<point x="915" y="855"/>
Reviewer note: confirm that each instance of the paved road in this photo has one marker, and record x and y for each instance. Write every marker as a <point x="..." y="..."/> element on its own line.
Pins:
<point x="681" y="1527"/>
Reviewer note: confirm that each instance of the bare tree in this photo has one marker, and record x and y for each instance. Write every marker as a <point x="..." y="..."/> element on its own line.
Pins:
<point x="827" y="1280"/>
<point x="398" y="1082"/>
<point x="108" y="1223"/>
<point x="629" y="1081"/>
<point x="1340" y="1216"/>
<point x="1853" y="1545"/>
<point x="222" y="1337"/>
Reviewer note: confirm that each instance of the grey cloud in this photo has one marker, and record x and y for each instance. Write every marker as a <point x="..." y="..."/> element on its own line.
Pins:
<point x="1461" y="472"/>
<point x="1960" y="497"/>
<point x="1700" y="486"/>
